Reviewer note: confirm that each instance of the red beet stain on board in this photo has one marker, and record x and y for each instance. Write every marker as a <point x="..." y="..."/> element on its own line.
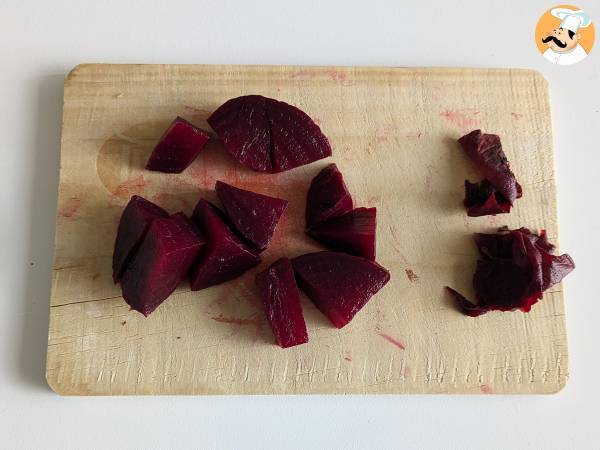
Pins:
<point x="514" y="269"/>
<point x="127" y="188"/>
<point x="304" y="74"/>
<point x="486" y="389"/>
<point x="460" y="117"/>
<point x="396" y="242"/>
<point x="401" y="345"/>
<point x="348" y="356"/>
<point x="428" y="177"/>
<point x="174" y="202"/>
<point x="412" y="276"/>
<point x="196" y="113"/>
<point x="373" y="201"/>
<point x="516" y="115"/>
<point x="70" y="207"/>
<point x="384" y="131"/>
<point x="340" y="77"/>
<point x="254" y="320"/>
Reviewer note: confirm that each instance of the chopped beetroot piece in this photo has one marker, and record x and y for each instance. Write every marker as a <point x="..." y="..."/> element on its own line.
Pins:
<point x="482" y="199"/>
<point x="268" y="135"/>
<point x="255" y="216"/>
<point x="296" y="139"/>
<point x="243" y="126"/>
<point x="225" y="256"/>
<point x="339" y="284"/>
<point x="496" y="193"/>
<point x="135" y="220"/>
<point x="162" y="261"/>
<point x="281" y="300"/>
<point x="353" y="232"/>
<point x="514" y="269"/>
<point x="178" y="147"/>
<point x="327" y="196"/>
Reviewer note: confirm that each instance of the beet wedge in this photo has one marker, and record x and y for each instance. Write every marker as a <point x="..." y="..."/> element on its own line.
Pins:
<point x="135" y="221"/>
<point x="296" y="139"/>
<point x="225" y="256"/>
<point x="339" y="284"/>
<point x="514" y="269"/>
<point x="243" y="126"/>
<point x="499" y="189"/>
<point x="162" y="261"/>
<point x="327" y="196"/>
<point x="178" y="147"/>
<point x="281" y="300"/>
<point x="255" y="216"/>
<point x="267" y="135"/>
<point x="352" y="233"/>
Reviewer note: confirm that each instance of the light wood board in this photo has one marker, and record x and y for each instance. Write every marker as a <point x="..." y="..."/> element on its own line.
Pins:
<point x="393" y="133"/>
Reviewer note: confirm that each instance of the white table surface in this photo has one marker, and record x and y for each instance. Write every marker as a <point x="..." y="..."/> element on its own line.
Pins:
<point x="41" y="41"/>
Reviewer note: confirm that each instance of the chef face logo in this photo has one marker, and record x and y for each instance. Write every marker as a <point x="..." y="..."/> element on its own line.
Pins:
<point x="561" y="40"/>
<point x="565" y="35"/>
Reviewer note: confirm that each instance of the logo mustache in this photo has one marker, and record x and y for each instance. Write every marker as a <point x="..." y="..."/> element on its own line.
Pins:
<point x="555" y="40"/>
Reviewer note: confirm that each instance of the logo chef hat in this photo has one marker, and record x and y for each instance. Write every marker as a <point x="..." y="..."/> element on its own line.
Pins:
<point x="571" y="20"/>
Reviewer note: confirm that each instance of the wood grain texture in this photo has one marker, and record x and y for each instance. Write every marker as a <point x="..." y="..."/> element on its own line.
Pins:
<point x="393" y="131"/>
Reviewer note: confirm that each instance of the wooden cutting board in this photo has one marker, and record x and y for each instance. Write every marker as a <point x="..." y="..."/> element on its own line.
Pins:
<point x="393" y="133"/>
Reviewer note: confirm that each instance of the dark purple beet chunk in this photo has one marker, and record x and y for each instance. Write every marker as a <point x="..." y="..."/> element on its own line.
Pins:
<point x="178" y="147"/>
<point x="281" y="300"/>
<point x="268" y="135"/>
<point x="162" y="261"/>
<point x="242" y="125"/>
<point x="225" y="256"/>
<point x="135" y="220"/>
<point x="499" y="189"/>
<point x="482" y="199"/>
<point x="339" y="284"/>
<point x="296" y="139"/>
<point x="327" y="196"/>
<point x="514" y="269"/>
<point x="353" y="232"/>
<point x="255" y="216"/>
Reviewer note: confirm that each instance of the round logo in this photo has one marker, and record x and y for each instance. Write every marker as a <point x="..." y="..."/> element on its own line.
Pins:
<point x="565" y="35"/>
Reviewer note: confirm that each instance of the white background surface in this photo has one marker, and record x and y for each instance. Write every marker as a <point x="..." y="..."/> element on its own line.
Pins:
<point x="41" y="41"/>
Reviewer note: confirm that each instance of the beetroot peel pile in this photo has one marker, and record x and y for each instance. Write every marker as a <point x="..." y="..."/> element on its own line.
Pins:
<point x="514" y="270"/>
<point x="497" y="192"/>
